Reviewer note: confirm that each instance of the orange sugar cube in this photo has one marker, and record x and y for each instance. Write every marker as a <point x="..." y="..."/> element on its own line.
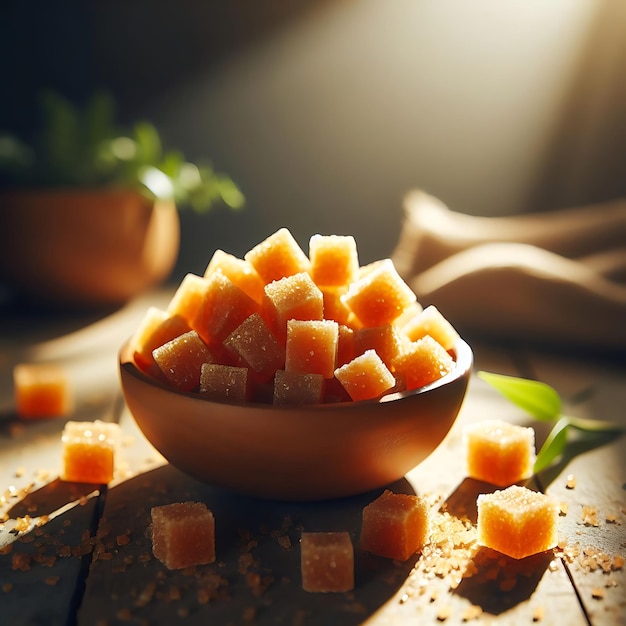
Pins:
<point x="294" y="297"/>
<point x="423" y="362"/>
<point x="379" y="296"/>
<point x="327" y="562"/>
<point x="239" y="271"/>
<point x="334" y="260"/>
<point x="278" y="256"/>
<point x="335" y="308"/>
<point x="346" y="347"/>
<point x="408" y="314"/>
<point x="253" y="345"/>
<point x="223" y="307"/>
<point x="224" y="382"/>
<point x="297" y="388"/>
<point x="383" y="339"/>
<point x="181" y="360"/>
<point x="187" y="299"/>
<point x="517" y="522"/>
<point x="183" y="534"/>
<point x="312" y="347"/>
<point x="365" y="377"/>
<point x="498" y="452"/>
<point x="41" y="390"/>
<point x="156" y="328"/>
<point x="395" y="525"/>
<point x="431" y="322"/>
<point x="89" y="451"/>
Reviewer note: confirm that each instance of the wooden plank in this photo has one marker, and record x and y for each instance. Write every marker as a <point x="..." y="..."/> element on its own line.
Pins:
<point x="589" y="480"/>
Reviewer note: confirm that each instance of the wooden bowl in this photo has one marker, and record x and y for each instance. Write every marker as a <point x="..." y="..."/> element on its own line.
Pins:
<point x="85" y="248"/>
<point x="311" y="452"/>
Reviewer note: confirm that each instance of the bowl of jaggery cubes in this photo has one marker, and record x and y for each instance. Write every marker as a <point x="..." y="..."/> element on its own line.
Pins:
<point x="294" y="376"/>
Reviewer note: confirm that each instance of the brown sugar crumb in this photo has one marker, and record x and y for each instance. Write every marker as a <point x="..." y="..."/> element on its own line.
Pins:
<point x="571" y="481"/>
<point x="173" y="593"/>
<point x="563" y="508"/>
<point x="6" y="549"/>
<point x="538" y="613"/>
<point x="444" y="613"/>
<point x="124" y="615"/>
<point x="258" y="584"/>
<point x="20" y="561"/>
<point x="22" y="524"/>
<point x="249" y="614"/>
<point x="597" y="593"/>
<point x="611" y="518"/>
<point x="52" y="580"/>
<point x="508" y="584"/>
<point x="472" y="612"/>
<point x="7" y="587"/>
<point x="589" y="516"/>
<point x="618" y="562"/>
<point x="122" y="540"/>
<point x="65" y="551"/>
<point x="146" y="595"/>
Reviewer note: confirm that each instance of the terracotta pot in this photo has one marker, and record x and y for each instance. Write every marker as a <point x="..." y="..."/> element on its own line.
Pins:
<point x="86" y="248"/>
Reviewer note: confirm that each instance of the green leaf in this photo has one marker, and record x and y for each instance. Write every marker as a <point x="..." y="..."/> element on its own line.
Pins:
<point x="553" y="446"/>
<point x="148" y="143"/>
<point x="594" y="426"/>
<point x="537" y="398"/>
<point x="60" y="138"/>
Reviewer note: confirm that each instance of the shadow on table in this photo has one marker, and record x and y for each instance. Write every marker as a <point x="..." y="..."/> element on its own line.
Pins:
<point x="257" y="572"/>
<point x="498" y="582"/>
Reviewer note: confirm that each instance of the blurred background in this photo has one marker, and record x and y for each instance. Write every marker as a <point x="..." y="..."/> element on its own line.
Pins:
<point x="327" y="112"/>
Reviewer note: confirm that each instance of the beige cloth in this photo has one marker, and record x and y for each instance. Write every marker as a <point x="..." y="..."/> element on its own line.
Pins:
<point x="557" y="278"/>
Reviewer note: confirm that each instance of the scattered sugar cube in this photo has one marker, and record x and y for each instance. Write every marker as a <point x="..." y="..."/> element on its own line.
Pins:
<point x="395" y="525"/>
<point x="293" y="297"/>
<point x="517" y="521"/>
<point x="379" y="296"/>
<point x="89" y="451"/>
<point x="278" y="256"/>
<point x="41" y="390"/>
<point x="252" y="344"/>
<point x="334" y="260"/>
<point x="327" y="562"/>
<point x="224" y="382"/>
<point x="423" y="362"/>
<point x="365" y="377"/>
<point x="312" y="347"/>
<point x="498" y="452"/>
<point x="431" y="322"/>
<point x="183" y="534"/>
<point x="297" y="388"/>
<point x="181" y="360"/>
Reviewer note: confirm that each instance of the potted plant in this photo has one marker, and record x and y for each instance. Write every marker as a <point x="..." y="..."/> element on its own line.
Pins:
<point x="89" y="213"/>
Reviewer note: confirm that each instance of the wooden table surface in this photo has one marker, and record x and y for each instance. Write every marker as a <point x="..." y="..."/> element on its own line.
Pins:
<point x="84" y="555"/>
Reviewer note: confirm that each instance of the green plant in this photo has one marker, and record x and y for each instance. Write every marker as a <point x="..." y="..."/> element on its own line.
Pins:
<point x="544" y="403"/>
<point x="83" y="147"/>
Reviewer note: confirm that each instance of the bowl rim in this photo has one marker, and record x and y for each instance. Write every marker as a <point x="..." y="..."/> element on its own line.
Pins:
<point x="463" y="359"/>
